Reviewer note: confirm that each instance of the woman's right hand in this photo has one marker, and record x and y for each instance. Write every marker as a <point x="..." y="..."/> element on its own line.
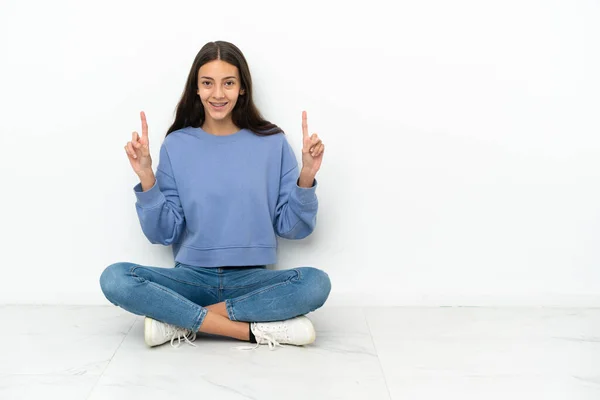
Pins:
<point x="138" y="151"/>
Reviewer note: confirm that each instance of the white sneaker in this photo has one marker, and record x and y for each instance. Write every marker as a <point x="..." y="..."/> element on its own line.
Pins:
<point x="297" y="331"/>
<point x="156" y="333"/>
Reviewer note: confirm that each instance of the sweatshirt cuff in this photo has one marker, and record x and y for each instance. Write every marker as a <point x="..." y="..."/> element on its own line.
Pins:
<point x="150" y="198"/>
<point x="306" y="195"/>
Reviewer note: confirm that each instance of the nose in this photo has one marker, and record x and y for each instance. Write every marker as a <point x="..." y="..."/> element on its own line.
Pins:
<point x="218" y="93"/>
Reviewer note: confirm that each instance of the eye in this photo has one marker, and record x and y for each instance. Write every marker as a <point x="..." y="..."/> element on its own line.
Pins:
<point x="229" y="83"/>
<point x="206" y="83"/>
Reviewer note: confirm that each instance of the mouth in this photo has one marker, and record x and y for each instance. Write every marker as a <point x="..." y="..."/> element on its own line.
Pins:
<point x="218" y="106"/>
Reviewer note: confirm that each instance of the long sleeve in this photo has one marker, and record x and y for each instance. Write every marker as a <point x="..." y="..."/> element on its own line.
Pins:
<point x="159" y="209"/>
<point x="296" y="211"/>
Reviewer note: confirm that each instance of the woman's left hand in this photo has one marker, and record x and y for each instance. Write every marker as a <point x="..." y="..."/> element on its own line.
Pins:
<point x="312" y="149"/>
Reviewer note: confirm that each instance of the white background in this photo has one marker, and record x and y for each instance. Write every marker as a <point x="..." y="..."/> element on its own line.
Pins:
<point x="463" y="140"/>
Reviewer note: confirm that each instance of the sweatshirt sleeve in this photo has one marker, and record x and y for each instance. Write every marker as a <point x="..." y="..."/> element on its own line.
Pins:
<point x="159" y="209"/>
<point x="296" y="211"/>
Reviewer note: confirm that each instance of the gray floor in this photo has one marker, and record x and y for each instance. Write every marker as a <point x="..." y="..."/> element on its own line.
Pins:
<point x="58" y="352"/>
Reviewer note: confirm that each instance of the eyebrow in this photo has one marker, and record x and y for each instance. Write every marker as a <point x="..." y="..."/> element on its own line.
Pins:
<point x="208" y="77"/>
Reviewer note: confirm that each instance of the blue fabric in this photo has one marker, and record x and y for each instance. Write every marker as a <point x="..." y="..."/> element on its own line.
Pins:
<point x="178" y="295"/>
<point x="222" y="200"/>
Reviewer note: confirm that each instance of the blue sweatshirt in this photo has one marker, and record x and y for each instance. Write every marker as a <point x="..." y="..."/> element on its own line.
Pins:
<point x="220" y="200"/>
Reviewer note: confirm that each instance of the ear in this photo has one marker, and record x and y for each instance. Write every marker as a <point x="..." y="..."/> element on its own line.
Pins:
<point x="242" y="91"/>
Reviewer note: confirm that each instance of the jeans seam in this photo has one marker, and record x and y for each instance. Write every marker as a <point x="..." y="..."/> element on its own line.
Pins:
<point x="201" y="313"/>
<point x="240" y="287"/>
<point x="229" y="287"/>
<point x="199" y="319"/>
<point x="229" y="308"/>
<point x="245" y="297"/>
<point x="173" y="294"/>
<point x="132" y="272"/>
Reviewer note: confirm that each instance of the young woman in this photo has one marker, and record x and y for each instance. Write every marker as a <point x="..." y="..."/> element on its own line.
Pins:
<point x="227" y="182"/>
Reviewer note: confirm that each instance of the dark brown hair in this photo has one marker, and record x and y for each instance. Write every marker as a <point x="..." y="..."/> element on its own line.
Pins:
<point x="190" y="111"/>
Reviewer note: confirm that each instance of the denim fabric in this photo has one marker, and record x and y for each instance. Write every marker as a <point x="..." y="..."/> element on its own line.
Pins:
<point x="178" y="295"/>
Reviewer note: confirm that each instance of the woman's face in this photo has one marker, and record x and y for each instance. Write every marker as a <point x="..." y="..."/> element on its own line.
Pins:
<point x="219" y="88"/>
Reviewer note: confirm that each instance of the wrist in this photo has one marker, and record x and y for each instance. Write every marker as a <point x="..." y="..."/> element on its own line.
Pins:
<point x="147" y="180"/>
<point x="306" y="179"/>
<point x="145" y="174"/>
<point x="307" y="172"/>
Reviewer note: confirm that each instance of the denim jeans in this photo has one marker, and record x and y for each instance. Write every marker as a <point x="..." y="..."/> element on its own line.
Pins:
<point x="178" y="295"/>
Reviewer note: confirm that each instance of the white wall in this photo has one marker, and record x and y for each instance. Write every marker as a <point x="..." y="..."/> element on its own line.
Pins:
<point x="463" y="140"/>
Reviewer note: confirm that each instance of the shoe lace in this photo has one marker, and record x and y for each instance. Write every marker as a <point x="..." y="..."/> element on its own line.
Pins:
<point x="268" y="339"/>
<point x="270" y="334"/>
<point x="179" y="333"/>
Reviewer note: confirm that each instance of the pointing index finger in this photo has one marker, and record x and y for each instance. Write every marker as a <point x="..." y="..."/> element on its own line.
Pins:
<point x="304" y="125"/>
<point x="144" y="125"/>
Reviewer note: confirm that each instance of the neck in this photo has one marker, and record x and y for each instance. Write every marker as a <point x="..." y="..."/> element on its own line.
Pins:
<point x="219" y="128"/>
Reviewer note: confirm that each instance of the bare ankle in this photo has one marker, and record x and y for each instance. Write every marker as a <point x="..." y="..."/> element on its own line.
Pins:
<point x="216" y="324"/>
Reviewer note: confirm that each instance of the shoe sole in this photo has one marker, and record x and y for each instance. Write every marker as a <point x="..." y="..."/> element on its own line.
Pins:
<point x="313" y="334"/>
<point x="148" y="331"/>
